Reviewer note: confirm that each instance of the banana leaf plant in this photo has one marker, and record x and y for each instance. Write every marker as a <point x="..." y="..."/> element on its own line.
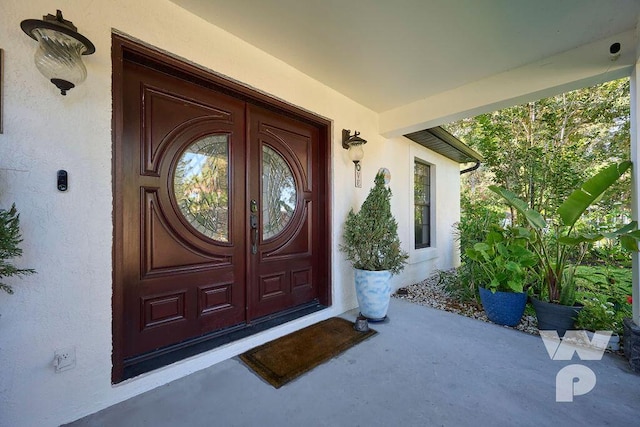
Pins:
<point x="554" y="244"/>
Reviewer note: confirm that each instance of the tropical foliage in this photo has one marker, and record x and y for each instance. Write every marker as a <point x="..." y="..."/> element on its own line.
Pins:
<point x="555" y="242"/>
<point x="606" y="294"/>
<point x="598" y="314"/>
<point x="540" y="152"/>
<point x="503" y="259"/>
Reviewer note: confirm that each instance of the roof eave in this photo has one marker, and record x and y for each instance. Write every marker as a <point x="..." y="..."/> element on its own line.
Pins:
<point x="445" y="144"/>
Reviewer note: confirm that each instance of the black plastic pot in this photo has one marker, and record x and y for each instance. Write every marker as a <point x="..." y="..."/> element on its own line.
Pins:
<point x="555" y="316"/>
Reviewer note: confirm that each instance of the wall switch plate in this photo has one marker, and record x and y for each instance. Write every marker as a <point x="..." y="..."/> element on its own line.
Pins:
<point x="64" y="359"/>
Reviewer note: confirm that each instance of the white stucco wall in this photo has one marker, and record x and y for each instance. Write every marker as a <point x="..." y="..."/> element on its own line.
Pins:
<point x="399" y="154"/>
<point x="445" y="205"/>
<point x="68" y="236"/>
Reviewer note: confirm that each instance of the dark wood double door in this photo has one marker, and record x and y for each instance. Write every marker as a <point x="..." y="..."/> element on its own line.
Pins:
<point x="219" y="212"/>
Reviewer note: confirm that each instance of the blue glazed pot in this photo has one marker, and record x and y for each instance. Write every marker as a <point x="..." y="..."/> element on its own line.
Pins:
<point x="503" y="308"/>
<point x="373" y="290"/>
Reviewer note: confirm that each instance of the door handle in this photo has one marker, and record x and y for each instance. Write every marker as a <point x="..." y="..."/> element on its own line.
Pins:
<point x="253" y="222"/>
<point x="254" y="234"/>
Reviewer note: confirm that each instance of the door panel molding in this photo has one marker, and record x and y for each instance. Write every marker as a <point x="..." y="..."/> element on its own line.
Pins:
<point x="152" y="98"/>
<point x="154" y="261"/>
<point x="304" y="151"/>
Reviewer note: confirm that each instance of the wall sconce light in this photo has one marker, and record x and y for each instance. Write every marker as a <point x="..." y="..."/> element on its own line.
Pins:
<point x="354" y="144"/>
<point x="60" y="47"/>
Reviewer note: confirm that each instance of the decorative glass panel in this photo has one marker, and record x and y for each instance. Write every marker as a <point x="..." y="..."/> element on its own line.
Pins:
<point x="278" y="193"/>
<point x="201" y="186"/>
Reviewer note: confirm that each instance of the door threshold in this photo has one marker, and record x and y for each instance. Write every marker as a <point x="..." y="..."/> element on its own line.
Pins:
<point x="165" y="356"/>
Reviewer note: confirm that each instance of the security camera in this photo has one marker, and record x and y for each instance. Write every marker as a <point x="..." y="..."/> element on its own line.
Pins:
<point x="614" y="51"/>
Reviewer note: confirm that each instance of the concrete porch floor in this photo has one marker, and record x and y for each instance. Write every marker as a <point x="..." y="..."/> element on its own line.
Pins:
<point x="424" y="368"/>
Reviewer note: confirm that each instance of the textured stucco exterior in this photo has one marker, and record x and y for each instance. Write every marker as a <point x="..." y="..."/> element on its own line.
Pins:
<point x="68" y="236"/>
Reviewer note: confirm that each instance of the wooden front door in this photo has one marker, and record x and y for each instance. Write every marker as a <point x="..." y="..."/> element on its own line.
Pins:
<point x="218" y="204"/>
<point x="283" y="206"/>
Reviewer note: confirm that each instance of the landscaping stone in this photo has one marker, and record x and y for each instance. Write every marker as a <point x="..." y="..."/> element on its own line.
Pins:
<point x="431" y="293"/>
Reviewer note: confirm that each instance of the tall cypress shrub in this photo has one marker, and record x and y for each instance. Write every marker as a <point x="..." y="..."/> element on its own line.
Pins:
<point x="371" y="239"/>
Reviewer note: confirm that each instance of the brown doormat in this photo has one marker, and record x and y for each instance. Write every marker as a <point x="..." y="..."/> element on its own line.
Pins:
<point x="286" y="358"/>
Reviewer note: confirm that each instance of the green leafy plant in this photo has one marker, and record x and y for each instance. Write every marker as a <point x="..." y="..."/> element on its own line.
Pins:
<point x="543" y="150"/>
<point x="608" y="253"/>
<point x="598" y="314"/>
<point x="477" y="219"/>
<point x="10" y="239"/>
<point x="559" y="247"/>
<point x="371" y="239"/>
<point x="609" y="285"/>
<point x="504" y="259"/>
<point x="458" y="283"/>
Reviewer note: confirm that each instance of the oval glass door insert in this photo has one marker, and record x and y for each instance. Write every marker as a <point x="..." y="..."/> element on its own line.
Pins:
<point x="201" y="186"/>
<point x="278" y="193"/>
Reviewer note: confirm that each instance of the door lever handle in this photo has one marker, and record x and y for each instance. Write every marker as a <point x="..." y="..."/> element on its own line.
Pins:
<point x="254" y="233"/>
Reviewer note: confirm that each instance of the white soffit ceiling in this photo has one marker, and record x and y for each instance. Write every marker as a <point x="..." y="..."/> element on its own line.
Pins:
<point x="388" y="53"/>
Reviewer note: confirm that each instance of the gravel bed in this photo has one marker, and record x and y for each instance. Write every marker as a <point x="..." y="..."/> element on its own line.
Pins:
<point x="431" y="293"/>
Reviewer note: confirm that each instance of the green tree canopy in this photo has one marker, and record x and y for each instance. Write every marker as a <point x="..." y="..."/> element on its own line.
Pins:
<point x="543" y="150"/>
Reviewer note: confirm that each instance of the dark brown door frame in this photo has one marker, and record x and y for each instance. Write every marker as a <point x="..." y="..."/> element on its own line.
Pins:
<point x="126" y="49"/>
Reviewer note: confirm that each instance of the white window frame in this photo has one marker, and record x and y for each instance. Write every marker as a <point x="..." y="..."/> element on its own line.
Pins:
<point x="423" y="155"/>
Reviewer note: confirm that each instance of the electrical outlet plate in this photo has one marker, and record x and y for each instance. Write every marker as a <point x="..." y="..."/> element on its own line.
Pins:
<point x="64" y="359"/>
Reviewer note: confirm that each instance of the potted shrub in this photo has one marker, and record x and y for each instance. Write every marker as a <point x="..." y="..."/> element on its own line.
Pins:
<point x="504" y="262"/>
<point x="560" y="248"/>
<point x="10" y="238"/>
<point x="372" y="245"/>
<point x="599" y="315"/>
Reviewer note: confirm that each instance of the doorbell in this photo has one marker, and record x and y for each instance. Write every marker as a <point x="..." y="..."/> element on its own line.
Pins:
<point x="63" y="184"/>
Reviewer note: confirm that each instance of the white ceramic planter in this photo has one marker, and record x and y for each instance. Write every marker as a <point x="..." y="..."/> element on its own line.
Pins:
<point x="373" y="290"/>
